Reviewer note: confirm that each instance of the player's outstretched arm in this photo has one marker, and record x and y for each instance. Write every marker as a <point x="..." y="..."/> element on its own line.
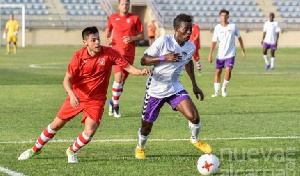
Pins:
<point x="136" y="71"/>
<point x="151" y="60"/>
<point x="189" y="67"/>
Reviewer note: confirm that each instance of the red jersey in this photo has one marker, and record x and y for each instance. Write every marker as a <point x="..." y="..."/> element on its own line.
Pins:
<point x="91" y="74"/>
<point x="195" y="32"/>
<point x="128" y="25"/>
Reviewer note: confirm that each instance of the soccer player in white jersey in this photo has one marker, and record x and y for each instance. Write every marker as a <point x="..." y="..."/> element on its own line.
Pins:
<point x="270" y="40"/>
<point x="224" y="33"/>
<point x="168" y="55"/>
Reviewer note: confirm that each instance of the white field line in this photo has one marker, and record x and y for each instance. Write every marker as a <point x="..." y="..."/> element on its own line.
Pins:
<point x="158" y="140"/>
<point x="10" y="172"/>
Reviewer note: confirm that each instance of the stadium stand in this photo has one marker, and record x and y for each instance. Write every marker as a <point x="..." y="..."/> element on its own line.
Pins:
<point x="79" y="13"/>
<point x="289" y="10"/>
<point x="57" y="13"/>
<point x="206" y="12"/>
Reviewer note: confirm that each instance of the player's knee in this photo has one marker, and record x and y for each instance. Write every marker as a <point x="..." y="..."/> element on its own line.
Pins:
<point x="193" y="117"/>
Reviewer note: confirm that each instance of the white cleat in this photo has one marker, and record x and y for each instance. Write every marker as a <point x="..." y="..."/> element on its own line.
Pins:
<point x="72" y="158"/>
<point x="224" y="93"/>
<point x="116" y="112"/>
<point x="28" y="154"/>
<point x="215" y="95"/>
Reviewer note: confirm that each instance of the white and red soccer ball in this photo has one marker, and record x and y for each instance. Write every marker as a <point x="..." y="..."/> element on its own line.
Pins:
<point x="208" y="164"/>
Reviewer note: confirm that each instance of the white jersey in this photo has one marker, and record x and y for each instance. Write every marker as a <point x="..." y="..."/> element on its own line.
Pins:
<point x="164" y="80"/>
<point x="271" y="29"/>
<point x="226" y="38"/>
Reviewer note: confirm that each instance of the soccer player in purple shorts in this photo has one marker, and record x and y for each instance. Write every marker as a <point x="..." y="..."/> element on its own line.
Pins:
<point x="224" y="33"/>
<point x="168" y="55"/>
<point x="270" y="40"/>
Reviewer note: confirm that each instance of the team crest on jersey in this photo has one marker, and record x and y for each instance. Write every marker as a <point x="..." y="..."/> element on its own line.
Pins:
<point x="101" y="61"/>
<point x="128" y="20"/>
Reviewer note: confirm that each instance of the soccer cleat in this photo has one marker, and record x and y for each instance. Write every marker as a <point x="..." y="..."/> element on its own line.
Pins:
<point x="110" y="108"/>
<point x="116" y="112"/>
<point x="199" y="74"/>
<point x="72" y="158"/>
<point x="267" y="67"/>
<point x="140" y="153"/>
<point x="28" y="154"/>
<point x="215" y="95"/>
<point x="204" y="147"/>
<point x="272" y="68"/>
<point x="224" y="93"/>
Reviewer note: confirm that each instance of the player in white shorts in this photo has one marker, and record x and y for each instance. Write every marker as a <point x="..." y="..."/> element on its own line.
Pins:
<point x="168" y="55"/>
<point x="224" y="33"/>
<point x="270" y="40"/>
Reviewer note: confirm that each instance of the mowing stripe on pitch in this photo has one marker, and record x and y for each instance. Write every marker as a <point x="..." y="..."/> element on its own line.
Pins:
<point x="132" y="140"/>
<point x="10" y="172"/>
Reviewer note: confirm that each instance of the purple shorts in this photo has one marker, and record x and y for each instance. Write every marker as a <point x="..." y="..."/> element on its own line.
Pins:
<point x="221" y="63"/>
<point x="152" y="105"/>
<point x="269" y="46"/>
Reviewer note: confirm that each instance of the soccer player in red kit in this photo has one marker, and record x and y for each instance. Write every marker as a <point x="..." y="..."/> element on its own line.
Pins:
<point x="195" y="38"/>
<point x="123" y="30"/>
<point x="86" y="82"/>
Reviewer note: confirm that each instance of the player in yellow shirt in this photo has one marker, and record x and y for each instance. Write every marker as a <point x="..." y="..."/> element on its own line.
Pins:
<point x="10" y="32"/>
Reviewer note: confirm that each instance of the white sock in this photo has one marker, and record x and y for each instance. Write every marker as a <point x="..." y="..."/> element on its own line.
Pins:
<point x="272" y="62"/>
<point x="195" y="130"/>
<point x="217" y="87"/>
<point x="225" y="83"/>
<point x="266" y="59"/>
<point x="142" y="140"/>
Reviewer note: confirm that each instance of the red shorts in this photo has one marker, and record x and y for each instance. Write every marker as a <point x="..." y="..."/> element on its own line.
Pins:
<point x="118" y="69"/>
<point x="91" y="108"/>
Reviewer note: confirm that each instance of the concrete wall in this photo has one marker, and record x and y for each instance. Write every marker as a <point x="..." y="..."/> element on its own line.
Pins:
<point x="73" y="37"/>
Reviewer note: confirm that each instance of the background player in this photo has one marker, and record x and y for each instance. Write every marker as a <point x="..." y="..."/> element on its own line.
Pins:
<point x="270" y="40"/>
<point x="151" y="32"/>
<point x="11" y="31"/>
<point x="168" y="55"/>
<point x="86" y="83"/>
<point x="195" y="38"/>
<point x="224" y="33"/>
<point x="127" y="28"/>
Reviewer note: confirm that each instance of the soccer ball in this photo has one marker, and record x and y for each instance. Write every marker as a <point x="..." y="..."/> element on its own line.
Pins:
<point x="208" y="164"/>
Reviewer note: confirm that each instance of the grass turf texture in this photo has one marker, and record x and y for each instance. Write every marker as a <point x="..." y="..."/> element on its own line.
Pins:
<point x="259" y="104"/>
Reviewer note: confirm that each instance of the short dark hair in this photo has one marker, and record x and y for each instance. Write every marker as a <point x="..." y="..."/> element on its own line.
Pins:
<point x="127" y="1"/>
<point x="224" y="11"/>
<point x="181" y="18"/>
<point x="89" y="30"/>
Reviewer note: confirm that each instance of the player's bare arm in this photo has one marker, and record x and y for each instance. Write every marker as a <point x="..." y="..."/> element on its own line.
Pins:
<point x="189" y="67"/>
<point x="128" y="39"/>
<point x="262" y="41"/>
<point x="151" y="60"/>
<point x="242" y="46"/>
<point x="213" y="45"/>
<point x="277" y="39"/>
<point x="74" y="100"/>
<point x="136" y="71"/>
<point x="108" y="39"/>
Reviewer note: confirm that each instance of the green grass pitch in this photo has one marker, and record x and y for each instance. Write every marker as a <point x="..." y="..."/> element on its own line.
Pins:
<point x="244" y="129"/>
